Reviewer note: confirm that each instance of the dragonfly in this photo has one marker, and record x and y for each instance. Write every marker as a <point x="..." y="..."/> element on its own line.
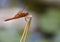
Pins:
<point x="20" y="14"/>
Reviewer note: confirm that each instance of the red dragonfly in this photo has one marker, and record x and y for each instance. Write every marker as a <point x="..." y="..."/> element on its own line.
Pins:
<point x="20" y="14"/>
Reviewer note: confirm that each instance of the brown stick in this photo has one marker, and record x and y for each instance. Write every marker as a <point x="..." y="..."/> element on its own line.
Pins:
<point x="26" y="30"/>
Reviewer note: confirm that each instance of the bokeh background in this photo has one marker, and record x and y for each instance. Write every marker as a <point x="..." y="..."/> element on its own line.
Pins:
<point x="45" y="25"/>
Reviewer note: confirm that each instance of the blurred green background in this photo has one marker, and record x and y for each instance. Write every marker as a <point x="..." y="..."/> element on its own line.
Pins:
<point x="45" y="25"/>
